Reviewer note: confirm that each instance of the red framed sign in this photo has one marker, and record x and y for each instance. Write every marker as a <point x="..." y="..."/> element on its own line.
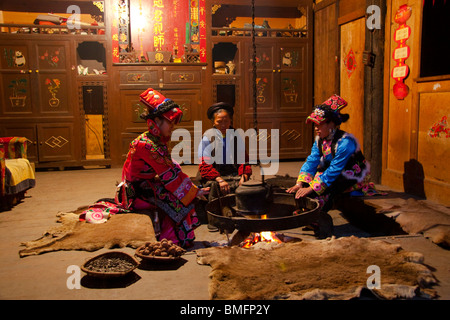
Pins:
<point x="401" y="70"/>
<point x="402" y="33"/>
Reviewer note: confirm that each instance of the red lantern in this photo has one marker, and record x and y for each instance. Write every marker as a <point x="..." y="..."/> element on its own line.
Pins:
<point x="403" y="13"/>
<point x="401" y="90"/>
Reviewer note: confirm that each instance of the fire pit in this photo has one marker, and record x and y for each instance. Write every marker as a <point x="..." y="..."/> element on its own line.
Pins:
<point x="283" y="212"/>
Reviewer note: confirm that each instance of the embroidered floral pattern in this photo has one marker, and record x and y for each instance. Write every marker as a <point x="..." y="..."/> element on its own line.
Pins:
<point x="183" y="189"/>
<point x="317" y="185"/>
<point x="319" y="112"/>
<point x="100" y="212"/>
<point x="358" y="171"/>
<point x="304" y="177"/>
<point x="335" y="102"/>
<point x="326" y="147"/>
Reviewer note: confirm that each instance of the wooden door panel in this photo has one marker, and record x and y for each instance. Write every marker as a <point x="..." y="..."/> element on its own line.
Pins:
<point x="56" y="142"/>
<point x="352" y="76"/>
<point x="265" y="56"/>
<point x="52" y="56"/>
<point x="53" y="78"/>
<point x="292" y="57"/>
<point x="293" y="93"/>
<point x="263" y="138"/>
<point x="54" y="93"/>
<point x="265" y="92"/>
<point x="16" y="94"/>
<point x="130" y="109"/>
<point x="294" y="139"/>
<point x="189" y="102"/>
<point x="15" y="56"/>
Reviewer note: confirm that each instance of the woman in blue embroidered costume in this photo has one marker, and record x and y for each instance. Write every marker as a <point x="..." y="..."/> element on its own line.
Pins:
<point x="336" y="163"/>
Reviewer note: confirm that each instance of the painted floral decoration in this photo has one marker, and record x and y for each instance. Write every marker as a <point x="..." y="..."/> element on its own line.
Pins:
<point x="52" y="58"/>
<point x="53" y="85"/>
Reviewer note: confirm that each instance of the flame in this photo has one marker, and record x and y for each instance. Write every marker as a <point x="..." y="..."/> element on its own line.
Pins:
<point x="255" y="237"/>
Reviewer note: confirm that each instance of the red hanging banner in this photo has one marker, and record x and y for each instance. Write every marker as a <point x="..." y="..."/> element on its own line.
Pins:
<point x="402" y="52"/>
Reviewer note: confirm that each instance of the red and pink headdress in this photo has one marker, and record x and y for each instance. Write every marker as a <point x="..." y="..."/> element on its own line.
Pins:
<point x="328" y="110"/>
<point x="158" y="105"/>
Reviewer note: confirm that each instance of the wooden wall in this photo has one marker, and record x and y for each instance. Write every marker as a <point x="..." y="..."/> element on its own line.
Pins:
<point x="352" y="76"/>
<point x="339" y="30"/>
<point x="326" y="51"/>
<point x="414" y="160"/>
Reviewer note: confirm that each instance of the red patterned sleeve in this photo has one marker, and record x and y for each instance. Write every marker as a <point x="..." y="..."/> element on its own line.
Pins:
<point x="245" y="169"/>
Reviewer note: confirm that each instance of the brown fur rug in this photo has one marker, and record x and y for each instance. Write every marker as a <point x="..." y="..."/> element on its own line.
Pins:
<point x="320" y="269"/>
<point x="418" y="216"/>
<point x="120" y="230"/>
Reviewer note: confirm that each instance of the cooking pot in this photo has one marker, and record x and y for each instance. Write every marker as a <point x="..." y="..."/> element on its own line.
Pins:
<point x="252" y="197"/>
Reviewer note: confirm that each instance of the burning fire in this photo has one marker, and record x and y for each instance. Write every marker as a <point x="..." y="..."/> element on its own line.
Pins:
<point x="255" y="237"/>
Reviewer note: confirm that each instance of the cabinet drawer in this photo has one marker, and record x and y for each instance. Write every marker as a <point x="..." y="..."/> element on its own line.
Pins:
<point x="189" y="77"/>
<point x="139" y="77"/>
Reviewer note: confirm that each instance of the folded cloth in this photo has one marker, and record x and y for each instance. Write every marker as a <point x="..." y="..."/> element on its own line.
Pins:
<point x="19" y="175"/>
<point x="101" y="211"/>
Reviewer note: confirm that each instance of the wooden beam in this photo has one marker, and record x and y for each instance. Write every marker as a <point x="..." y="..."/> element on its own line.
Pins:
<point x="51" y="6"/>
<point x="373" y="95"/>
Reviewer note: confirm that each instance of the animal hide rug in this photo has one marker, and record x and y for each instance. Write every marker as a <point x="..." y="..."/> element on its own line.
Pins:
<point x="321" y="269"/>
<point x="121" y="230"/>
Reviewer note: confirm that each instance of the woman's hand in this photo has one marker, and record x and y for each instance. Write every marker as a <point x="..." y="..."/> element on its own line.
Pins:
<point x="303" y="192"/>
<point x="202" y="192"/>
<point x="300" y="191"/>
<point x="293" y="189"/>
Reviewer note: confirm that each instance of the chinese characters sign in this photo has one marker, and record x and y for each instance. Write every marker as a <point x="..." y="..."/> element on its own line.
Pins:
<point x="177" y="27"/>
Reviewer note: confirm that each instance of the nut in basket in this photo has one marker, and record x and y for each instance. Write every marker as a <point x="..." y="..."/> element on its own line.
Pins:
<point x="164" y="250"/>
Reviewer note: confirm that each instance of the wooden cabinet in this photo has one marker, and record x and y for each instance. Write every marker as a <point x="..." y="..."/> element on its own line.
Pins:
<point x="45" y="100"/>
<point x="283" y="93"/>
<point x="47" y="142"/>
<point x="35" y="78"/>
<point x="284" y="88"/>
<point x="38" y="99"/>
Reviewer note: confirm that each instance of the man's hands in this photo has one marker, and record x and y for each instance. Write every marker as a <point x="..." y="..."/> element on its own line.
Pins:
<point x="223" y="185"/>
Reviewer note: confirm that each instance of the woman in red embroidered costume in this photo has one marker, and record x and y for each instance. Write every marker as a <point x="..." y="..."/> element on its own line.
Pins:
<point x="151" y="178"/>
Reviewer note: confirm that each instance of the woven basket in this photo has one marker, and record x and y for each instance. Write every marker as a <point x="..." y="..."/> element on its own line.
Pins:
<point x="115" y="254"/>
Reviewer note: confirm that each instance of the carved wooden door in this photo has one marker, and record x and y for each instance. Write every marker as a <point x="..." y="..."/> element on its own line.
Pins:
<point x="283" y="94"/>
<point x="15" y="77"/>
<point x="52" y="77"/>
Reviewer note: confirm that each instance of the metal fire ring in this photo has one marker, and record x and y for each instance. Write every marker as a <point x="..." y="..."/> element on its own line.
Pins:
<point x="280" y="214"/>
